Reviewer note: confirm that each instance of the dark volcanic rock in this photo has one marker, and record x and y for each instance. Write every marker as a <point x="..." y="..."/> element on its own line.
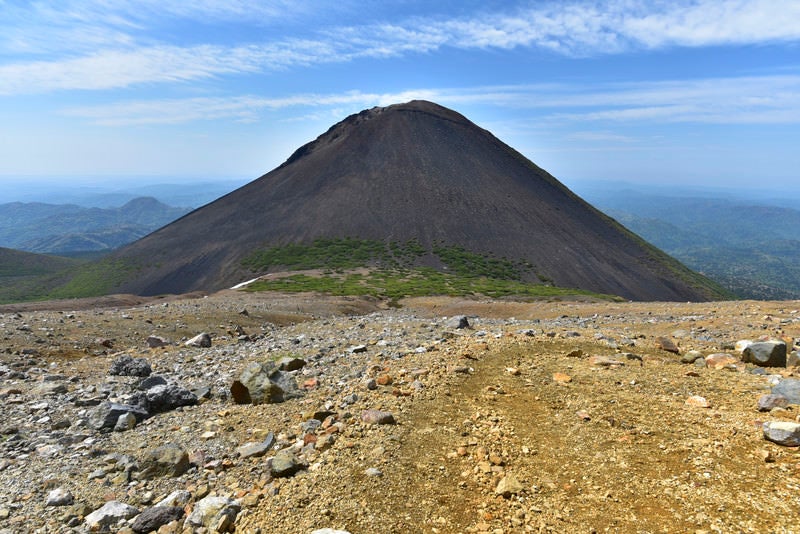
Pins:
<point x="166" y="397"/>
<point x="125" y="365"/>
<point x="766" y="353"/>
<point x="151" y="519"/>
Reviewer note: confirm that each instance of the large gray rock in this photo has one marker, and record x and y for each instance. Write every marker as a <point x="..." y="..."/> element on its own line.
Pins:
<point x="108" y="516"/>
<point x="783" y="433"/>
<point x="264" y="383"/>
<point x="151" y="519"/>
<point x="166" y="397"/>
<point x="125" y="365"/>
<point x="789" y="388"/>
<point x="766" y="353"/>
<point x="169" y="460"/>
<point x="106" y="415"/>
<point x="215" y="513"/>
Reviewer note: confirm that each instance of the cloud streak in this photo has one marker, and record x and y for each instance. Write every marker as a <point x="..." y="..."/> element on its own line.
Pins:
<point x="123" y="54"/>
<point x="742" y="100"/>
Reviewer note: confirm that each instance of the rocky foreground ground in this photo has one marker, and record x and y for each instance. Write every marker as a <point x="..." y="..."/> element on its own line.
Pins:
<point x="538" y="417"/>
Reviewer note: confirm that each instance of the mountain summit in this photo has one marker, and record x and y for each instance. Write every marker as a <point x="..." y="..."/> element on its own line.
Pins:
<point x="414" y="171"/>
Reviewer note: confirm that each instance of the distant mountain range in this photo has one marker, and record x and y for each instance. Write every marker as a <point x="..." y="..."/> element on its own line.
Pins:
<point x="750" y="246"/>
<point x="68" y="229"/>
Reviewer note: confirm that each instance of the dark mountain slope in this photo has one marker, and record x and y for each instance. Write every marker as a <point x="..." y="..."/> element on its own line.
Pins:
<point x="410" y="171"/>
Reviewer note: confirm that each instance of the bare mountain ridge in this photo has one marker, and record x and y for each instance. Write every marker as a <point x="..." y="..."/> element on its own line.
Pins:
<point x="409" y="171"/>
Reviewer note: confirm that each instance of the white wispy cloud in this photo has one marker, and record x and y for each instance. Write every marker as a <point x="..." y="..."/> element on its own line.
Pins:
<point x="106" y="44"/>
<point x="743" y="100"/>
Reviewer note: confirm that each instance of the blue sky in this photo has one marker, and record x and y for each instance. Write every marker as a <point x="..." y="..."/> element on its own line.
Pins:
<point x="665" y="92"/>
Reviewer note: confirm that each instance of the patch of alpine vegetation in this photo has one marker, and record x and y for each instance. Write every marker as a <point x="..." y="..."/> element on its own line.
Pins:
<point x="95" y="279"/>
<point x="396" y="270"/>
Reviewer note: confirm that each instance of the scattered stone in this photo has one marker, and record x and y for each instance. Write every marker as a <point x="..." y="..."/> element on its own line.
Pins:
<point x="215" y="513"/>
<point x="126" y="421"/>
<point x="329" y="531"/>
<point x="604" y="361"/>
<point x="665" y="343"/>
<point x="125" y="365"/>
<point x="770" y="401"/>
<point x="561" y="378"/>
<point x="200" y="340"/>
<point x="357" y="349"/>
<point x="151" y="519"/>
<point x="166" y="397"/>
<point x="176" y="498"/>
<point x="457" y="322"/>
<point x="151" y="381"/>
<point x="155" y="342"/>
<point x="59" y="497"/>
<point x="508" y="486"/>
<point x="285" y="464"/>
<point x="691" y="356"/>
<point x="788" y="388"/>
<point x="696" y="401"/>
<point x="782" y="432"/>
<point x="106" y="415"/>
<point x="291" y="364"/>
<point x="377" y="417"/>
<point x="766" y="353"/>
<point x="168" y="460"/>
<point x="633" y="357"/>
<point x="721" y="360"/>
<point x="109" y="515"/>
<point x="264" y="383"/>
<point x="373" y="472"/>
<point x="256" y="449"/>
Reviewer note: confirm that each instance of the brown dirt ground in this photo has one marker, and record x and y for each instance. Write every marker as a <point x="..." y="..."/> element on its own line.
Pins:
<point x="616" y="449"/>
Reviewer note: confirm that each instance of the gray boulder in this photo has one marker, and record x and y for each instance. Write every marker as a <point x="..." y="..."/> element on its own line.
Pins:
<point x="151" y="519"/>
<point x="783" y="433"/>
<point x="200" y="340"/>
<point x="106" y="415"/>
<point x="768" y="402"/>
<point x="264" y="383"/>
<point x="59" y="497"/>
<point x="151" y="381"/>
<point x="109" y="515"/>
<point x="166" y="397"/>
<point x="169" y="460"/>
<point x="155" y="342"/>
<point x="215" y="513"/>
<point x="125" y="365"/>
<point x="457" y="322"/>
<point x="285" y="464"/>
<point x="126" y="421"/>
<point x="766" y="353"/>
<point x="789" y="388"/>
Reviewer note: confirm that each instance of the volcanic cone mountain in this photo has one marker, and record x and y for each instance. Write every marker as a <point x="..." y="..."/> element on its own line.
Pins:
<point x="414" y="171"/>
